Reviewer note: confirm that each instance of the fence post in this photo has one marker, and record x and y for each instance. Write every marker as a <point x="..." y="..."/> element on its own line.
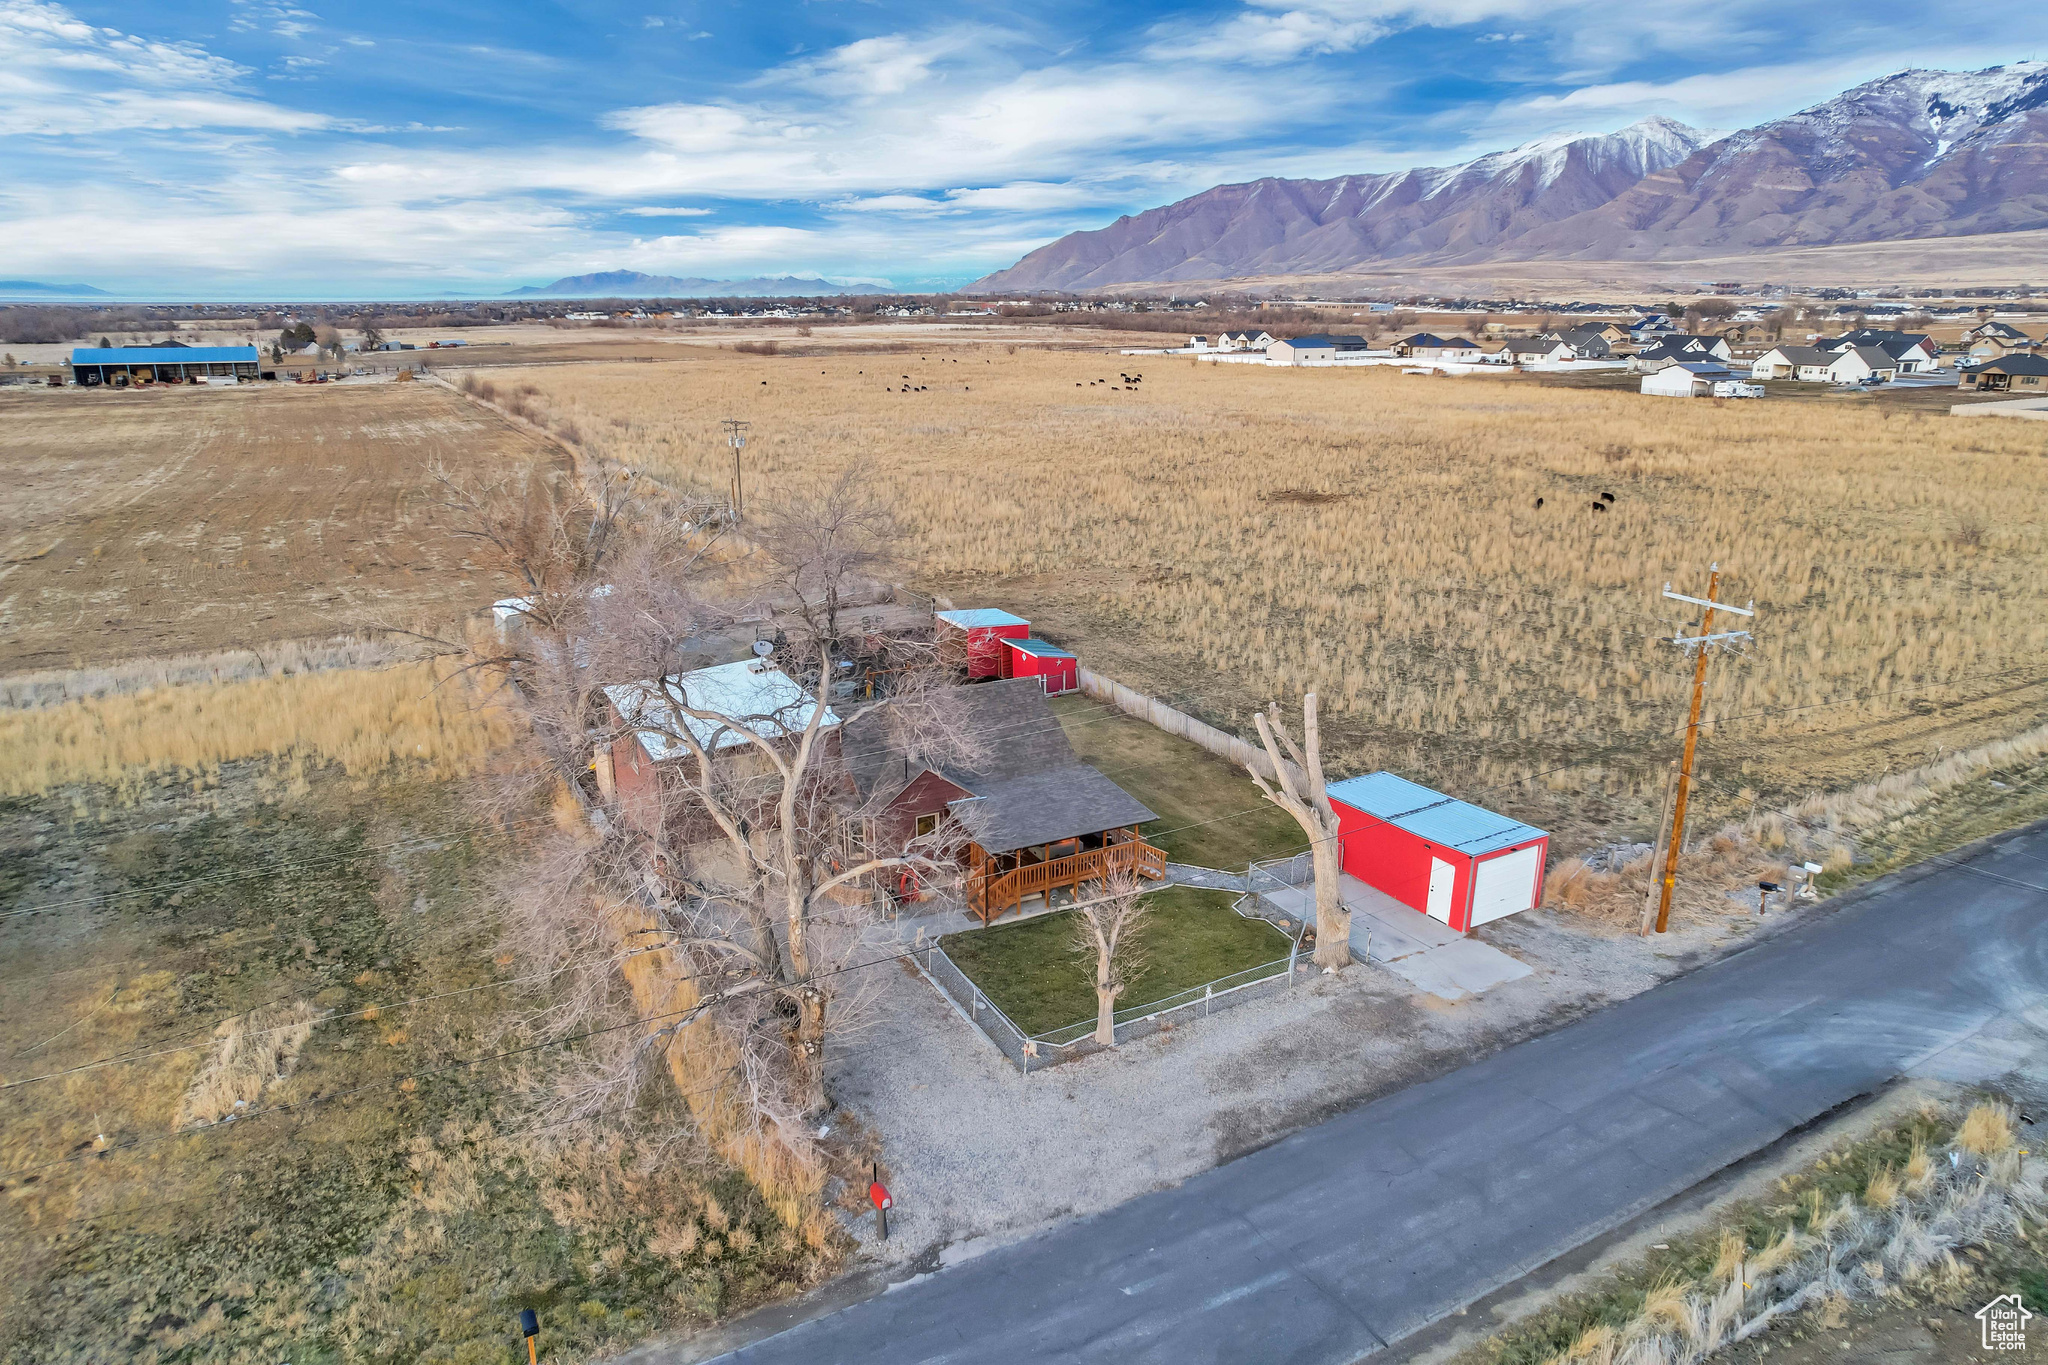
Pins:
<point x="1208" y="999"/>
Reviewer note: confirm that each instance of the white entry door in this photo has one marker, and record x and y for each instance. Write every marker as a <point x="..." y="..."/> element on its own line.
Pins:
<point x="1442" y="877"/>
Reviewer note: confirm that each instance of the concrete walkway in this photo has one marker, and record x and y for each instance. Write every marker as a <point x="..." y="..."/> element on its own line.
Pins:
<point x="1427" y="953"/>
<point x="2033" y="408"/>
<point x="1327" y="1246"/>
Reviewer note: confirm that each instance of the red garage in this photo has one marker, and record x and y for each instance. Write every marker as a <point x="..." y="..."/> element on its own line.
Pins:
<point x="1452" y="860"/>
<point x="975" y="637"/>
<point x="1059" y="670"/>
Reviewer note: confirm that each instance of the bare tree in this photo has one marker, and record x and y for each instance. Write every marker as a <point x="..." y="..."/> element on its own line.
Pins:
<point x="1311" y="810"/>
<point x="724" y="890"/>
<point x="825" y="546"/>
<point x="1106" y="929"/>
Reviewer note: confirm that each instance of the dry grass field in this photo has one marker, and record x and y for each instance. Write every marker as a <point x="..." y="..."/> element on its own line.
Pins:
<point x="1221" y="536"/>
<point x="180" y="520"/>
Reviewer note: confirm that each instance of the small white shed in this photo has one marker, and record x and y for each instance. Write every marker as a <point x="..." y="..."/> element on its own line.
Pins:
<point x="1687" y="379"/>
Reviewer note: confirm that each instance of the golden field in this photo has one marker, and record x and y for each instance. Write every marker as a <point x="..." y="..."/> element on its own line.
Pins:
<point x="143" y="523"/>
<point x="1221" y="536"/>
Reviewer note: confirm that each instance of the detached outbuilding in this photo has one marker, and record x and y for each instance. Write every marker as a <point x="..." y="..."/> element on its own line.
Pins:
<point x="1031" y="657"/>
<point x="1451" y="860"/>
<point x="974" y="638"/>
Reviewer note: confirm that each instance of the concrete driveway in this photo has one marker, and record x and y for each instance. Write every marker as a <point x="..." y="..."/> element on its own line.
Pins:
<point x="1352" y="1234"/>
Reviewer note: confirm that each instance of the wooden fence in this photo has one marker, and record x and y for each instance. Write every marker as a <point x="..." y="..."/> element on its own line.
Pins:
<point x="1155" y="712"/>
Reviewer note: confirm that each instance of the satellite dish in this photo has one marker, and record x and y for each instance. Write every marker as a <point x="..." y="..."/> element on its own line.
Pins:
<point x="763" y="648"/>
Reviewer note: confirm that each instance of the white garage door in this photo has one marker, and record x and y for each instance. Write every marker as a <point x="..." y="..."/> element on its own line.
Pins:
<point x="1505" y="884"/>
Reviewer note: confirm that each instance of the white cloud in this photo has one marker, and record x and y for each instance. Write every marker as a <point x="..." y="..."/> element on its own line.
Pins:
<point x="659" y="211"/>
<point x="59" y="75"/>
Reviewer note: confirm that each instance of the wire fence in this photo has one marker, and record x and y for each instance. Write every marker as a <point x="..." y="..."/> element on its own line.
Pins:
<point x="1035" y="1051"/>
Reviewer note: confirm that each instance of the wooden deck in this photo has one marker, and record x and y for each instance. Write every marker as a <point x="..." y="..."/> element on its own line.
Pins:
<point x="991" y="897"/>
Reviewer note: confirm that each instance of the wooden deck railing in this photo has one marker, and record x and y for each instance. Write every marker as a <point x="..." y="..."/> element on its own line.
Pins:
<point x="990" y="897"/>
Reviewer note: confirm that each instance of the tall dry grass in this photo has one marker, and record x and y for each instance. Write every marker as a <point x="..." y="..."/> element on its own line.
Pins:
<point x="251" y="1053"/>
<point x="365" y="721"/>
<point x="1824" y="827"/>
<point x="1450" y="626"/>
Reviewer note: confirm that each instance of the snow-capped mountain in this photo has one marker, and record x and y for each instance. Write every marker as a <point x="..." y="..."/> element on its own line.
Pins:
<point x="1913" y="155"/>
<point x="1284" y="226"/>
<point x="1918" y="154"/>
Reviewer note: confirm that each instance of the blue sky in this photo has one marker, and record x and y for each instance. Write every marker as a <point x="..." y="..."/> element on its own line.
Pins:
<point x="250" y="149"/>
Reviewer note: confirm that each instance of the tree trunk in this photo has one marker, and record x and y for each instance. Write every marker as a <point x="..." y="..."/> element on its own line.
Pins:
<point x="1105" y="1014"/>
<point x="1333" y="921"/>
<point x="810" y="1048"/>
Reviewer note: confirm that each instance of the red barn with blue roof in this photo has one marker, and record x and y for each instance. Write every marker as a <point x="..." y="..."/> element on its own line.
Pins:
<point x="974" y="637"/>
<point x="1032" y="657"/>
<point x="1451" y="860"/>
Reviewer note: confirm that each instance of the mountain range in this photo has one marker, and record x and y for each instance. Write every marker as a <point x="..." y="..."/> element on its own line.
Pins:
<point x="39" y="289"/>
<point x="631" y="284"/>
<point x="1919" y="154"/>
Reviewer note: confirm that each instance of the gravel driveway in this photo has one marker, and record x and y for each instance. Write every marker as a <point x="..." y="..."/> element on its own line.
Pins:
<point x="983" y="1153"/>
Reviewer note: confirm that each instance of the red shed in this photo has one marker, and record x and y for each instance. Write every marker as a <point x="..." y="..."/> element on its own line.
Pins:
<point x="975" y="636"/>
<point x="1452" y="860"/>
<point x="1059" y="670"/>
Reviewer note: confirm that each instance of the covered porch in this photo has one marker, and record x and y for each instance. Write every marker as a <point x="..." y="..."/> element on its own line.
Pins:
<point x="999" y="882"/>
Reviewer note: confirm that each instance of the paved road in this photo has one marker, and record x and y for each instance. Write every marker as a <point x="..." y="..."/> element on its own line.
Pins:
<point x="1365" y="1228"/>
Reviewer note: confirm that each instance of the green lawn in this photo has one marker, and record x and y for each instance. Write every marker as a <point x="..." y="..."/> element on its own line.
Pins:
<point x="1032" y="971"/>
<point x="1210" y="813"/>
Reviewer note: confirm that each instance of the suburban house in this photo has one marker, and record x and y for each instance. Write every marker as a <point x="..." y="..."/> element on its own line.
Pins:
<point x="1911" y="352"/>
<point x="1996" y="331"/>
<point x="2013" y="374"/>
<point x="1529" y="350"/>
<point x="1587" y="343"/>
<point x="1451" y="860"/>
<point x="1855" y="364"/>
<point x="1317" y="346"/>
<point x="1031" y="816"/>
<point x="1198" y="343"/>
<point x="1645" y="330"/>
<point x="1243" y="341"/>
<point x="1993" y="347"/>
<point x="1429" y="346"/>
<point x="1809" y="363"/>
<point x="753" y="693"/>
<point x="1673" y="347"/>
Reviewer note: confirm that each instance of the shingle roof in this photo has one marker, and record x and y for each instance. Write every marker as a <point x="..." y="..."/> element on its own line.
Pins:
<point x="1432" y="815"/>
<point x="2015" y="364"/>
<point x="1027" y="785"/>
<point x="1803" y="355"/>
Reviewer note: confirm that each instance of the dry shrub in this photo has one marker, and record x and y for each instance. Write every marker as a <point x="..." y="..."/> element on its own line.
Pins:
<point x="364" y="721"/>
<point x="252" y="1052"/>
<point x="1987" y="1130"/>
<point x="1882" y="1191"/>
<point x="782" y="1161"/>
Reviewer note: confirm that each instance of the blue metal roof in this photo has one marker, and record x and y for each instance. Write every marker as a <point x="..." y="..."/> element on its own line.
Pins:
<point x="163" y="355"/>
<point x="1431" y="815"/>
<point x="1039" y="649"/>
<point x="975" y="617"/>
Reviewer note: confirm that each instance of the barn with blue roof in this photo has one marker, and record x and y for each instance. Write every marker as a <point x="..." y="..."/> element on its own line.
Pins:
<point x="1455" y="862"/>
<point x="175" y="364"/>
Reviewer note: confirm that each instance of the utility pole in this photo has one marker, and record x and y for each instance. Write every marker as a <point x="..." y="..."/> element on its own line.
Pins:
<point x="1699" y="644"/>
<point x="736" y="437"/>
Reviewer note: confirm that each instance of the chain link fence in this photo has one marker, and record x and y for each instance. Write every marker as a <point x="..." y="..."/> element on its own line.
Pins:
<point x="1031" y="1052"/>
